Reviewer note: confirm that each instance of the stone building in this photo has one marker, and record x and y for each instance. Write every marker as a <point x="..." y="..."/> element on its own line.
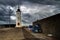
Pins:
<point x="50" y="25"/>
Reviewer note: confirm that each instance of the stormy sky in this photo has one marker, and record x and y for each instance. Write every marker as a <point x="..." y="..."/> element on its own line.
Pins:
<point x="31" y="10"/>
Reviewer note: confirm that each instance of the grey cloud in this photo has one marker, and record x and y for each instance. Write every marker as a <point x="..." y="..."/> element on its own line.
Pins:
<point x="44" y="12"/>
<point x="3" y="22"/>
<point x="4" y="14"/>
<point x="38" y="9"/>
<point x="16" y="2"/>
<point x="46" y="2"/>
<point x="10" y="2"/>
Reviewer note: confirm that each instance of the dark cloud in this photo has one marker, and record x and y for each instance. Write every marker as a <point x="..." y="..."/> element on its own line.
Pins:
<point x="10" y="2"/>
<point x="16" y="2"/>
<point x="32" y="10"/>
<point x="5" y="14"/>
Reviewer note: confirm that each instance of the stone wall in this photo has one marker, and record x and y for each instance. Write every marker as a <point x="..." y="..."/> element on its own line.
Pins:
<point x="50" y="25"/>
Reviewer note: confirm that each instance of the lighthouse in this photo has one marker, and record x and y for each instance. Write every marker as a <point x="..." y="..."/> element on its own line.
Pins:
<point x="18" y="17"/>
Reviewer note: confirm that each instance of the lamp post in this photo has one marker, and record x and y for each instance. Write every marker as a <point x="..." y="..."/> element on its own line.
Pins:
<point x="9" y="16"/>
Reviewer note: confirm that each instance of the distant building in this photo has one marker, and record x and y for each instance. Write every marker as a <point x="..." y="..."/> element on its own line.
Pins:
<point x="50" y="25"/>
<point x="7" y="25"/>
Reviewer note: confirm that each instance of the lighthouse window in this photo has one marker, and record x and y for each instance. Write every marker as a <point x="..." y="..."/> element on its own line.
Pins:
<point x="18" y="23"/>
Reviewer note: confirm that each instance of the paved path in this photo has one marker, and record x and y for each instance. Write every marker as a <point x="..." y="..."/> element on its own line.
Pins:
<point x="29" y="36"/>
<point x="37" y="36"/>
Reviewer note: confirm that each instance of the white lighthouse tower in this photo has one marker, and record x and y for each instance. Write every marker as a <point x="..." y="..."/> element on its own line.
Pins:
<point x="18" y="17"/>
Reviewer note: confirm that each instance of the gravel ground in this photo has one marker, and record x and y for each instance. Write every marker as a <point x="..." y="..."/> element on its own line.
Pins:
<point x="17" y="34"/>
<point x="11" y="34"/>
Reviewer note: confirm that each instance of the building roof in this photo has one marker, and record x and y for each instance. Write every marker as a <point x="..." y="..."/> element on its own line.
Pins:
<point x="57" y="16"/>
